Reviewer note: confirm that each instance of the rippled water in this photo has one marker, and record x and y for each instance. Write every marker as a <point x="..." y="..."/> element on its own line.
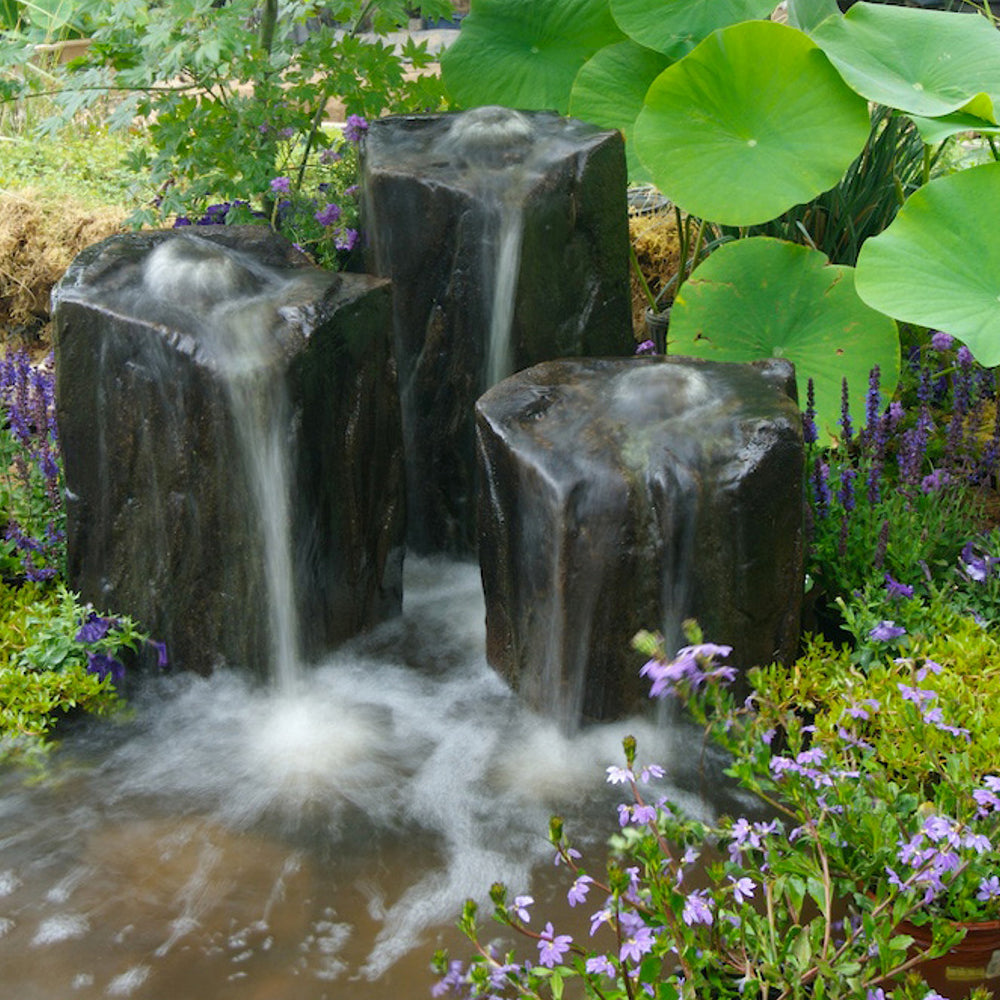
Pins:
<point x="228" y="841"/>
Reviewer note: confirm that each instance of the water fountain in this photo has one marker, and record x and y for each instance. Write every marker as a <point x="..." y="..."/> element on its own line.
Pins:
<point x="212" y="392"/>
<point x="505" y="235"/>
<point x="624" y="493"/>
<point x="312" y="838"/>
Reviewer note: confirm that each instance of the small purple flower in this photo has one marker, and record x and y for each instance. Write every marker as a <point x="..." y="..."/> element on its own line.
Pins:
<point x="94" y="628"/>
<point x="286" y="133"/>
<point x="578" y="890"/>
<point x="697" y="909"/>
<point x="964" y="356"/>
<point x="520" y="907"/>
<point x="355" y="128"/>
<point x="942" y="341"/>
<point x="619" y="775"/>
<point x="934" y="481"/>
<point x="451" y="981"/>
<point x="895" y="590"/>
<point x="330" y="155"/>
<point x="281" y="185"/>
<point x="552" y="946"/>
<point x="886" y="631"/>
<point x="161" y="653"/>
<point x="600" y="917"/>
<point x="646" y="347"/>
<point x="743" y="888"/>
<point x="989" y="889"/>
<point x="105" y="665"/>
<point x="602" y="964"/>
<point x="346" y="240"/>
<point x="639" y="942"/>
<point x="328" y="215"/>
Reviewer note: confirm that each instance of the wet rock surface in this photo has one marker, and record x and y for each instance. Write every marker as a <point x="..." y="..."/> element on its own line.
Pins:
<point x="621" y="494"/>
<point x="506" y="238"/>
<point x="161" y="520"/>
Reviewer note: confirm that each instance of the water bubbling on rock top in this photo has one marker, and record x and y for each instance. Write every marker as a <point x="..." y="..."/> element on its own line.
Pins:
<point x="489" y="136"/>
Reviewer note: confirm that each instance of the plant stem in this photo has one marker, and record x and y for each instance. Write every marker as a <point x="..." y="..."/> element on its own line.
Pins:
<point x="646" y="291"/>
<point x="268" y="22"/>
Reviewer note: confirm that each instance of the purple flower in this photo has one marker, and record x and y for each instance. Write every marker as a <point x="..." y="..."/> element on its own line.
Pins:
<point x="598" y="918"/>
<point x="941" y="341"/>
<point x="578" y="890"/>
<point x="328" y="215"/>
<point x="742" y="888"/>
<point x="94" y="628"/>
<point x="105" y="665"/>
<point x="161" y="653"/>
<point x="964" y="356"/>
<point x="989" y="889"/>
<point x="976" y="567"/>
<point x="281" y="185"/>
<point x="552" y="946"/>
<point x="895" y="590"/>
<point x="697" y="909"/>
<point x="646" y="347"/>
<point x="638" y="943"/>
<point x="934" y="481"/>
<point x="886" y="631"/>
<point x="355" y="128"/>
<point x="619" y="775"/>
<point x="451" y="981"/>
<point x="809" y="435"/>
<point x="601" y="964"/>
<point x="347" y="239"/>
<point x="520" y="907"/>
<point x="329" y="156"/>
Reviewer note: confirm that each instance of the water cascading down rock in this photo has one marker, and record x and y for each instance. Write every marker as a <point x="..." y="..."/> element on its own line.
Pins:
<point x="232" y="445"/>
<point x="505" y="235"/>
<point x="621" y="494"/>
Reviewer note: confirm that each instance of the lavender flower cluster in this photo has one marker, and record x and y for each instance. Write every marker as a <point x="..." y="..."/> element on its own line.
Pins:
<point x="34" y="516"/>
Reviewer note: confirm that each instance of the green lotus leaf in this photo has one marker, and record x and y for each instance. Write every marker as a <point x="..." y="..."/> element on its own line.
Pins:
<point x="751" y="122"/>
<point x="938" y="263"/>
<point x="762" y="298"/>
<point x="924" y="62"/>
<point x="935" y="130"/>
<point x="807" y="14"/>
<point x="674" y="27"/>
<point x="610" y="88"/>
<point x="525" y="54"/>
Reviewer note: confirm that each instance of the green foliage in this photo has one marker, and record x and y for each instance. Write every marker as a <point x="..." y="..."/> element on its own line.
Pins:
<point x="925" y="270"/>
<point x="754" y="120"/>
<point x="758" y="298"/>
<point x="44" y="671"/>
<point x="227" y="93"/>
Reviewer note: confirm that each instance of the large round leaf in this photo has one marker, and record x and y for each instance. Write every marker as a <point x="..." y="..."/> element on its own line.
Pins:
<point x="762" y="298"/>
<point x="610" y="88"/>
<point x="674" y="27"/>
<point x="753" y="121"/>
<point x="924" y="62"/>
<point x="938" y="264"/>
<point x="525" y="53"/>
<point x="935" y="130"/>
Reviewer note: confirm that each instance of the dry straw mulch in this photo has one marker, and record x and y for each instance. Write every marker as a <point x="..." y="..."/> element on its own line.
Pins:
<point x="657" y="250"/>
<point x="39" y="237"/>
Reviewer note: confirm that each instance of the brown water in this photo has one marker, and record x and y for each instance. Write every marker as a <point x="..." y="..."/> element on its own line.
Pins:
<point x="231" y="842"/>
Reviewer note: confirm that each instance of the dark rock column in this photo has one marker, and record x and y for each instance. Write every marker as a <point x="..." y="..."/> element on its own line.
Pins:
<point x="506" y="238"/>
<point x="629" y="494"/>
<point x="161" y="519"/>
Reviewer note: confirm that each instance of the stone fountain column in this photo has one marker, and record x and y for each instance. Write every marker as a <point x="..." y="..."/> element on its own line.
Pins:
<point x="635" y="493"/>
<point x="164" y="520"/>
<point x="506" y="239"/>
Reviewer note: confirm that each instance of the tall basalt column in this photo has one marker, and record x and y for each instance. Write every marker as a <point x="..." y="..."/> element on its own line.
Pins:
<point x="164" y="516"/>
<point x="505" y="235"/>
<point x="628" y="494"/>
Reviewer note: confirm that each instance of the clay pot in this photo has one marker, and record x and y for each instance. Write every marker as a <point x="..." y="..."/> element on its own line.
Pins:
<point x="974" y="961"/>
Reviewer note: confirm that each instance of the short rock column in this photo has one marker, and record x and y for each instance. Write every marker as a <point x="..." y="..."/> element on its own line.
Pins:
<point x="622" y="494"/>
<point x="162" y="522"/>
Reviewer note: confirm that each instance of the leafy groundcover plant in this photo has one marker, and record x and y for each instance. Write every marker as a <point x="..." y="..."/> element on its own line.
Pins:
<point x="57" y="655"/>
<point x="804" y="899"/>
<point x="235" y="97"/>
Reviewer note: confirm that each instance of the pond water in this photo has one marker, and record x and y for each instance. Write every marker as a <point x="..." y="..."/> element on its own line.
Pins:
<point x="227" y="840"/>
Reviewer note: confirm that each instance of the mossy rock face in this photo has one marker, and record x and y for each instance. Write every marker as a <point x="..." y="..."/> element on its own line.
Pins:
<point x="636" y="493"/>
